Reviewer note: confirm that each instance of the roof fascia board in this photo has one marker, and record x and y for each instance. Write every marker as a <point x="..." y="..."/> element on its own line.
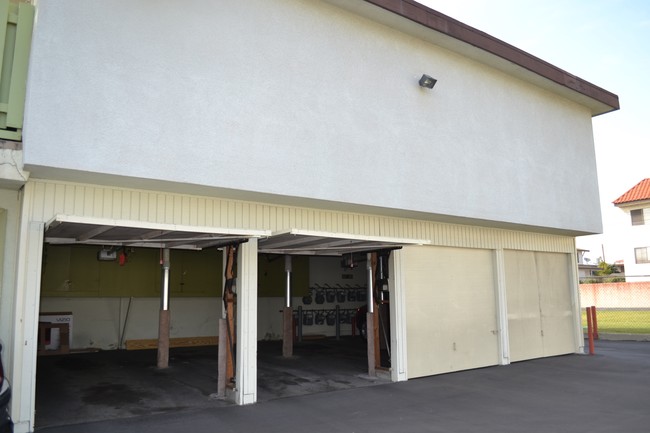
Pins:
<point x="446" y="32"/>
<point x="73" y="219"/>
<point x="634" y="204"/>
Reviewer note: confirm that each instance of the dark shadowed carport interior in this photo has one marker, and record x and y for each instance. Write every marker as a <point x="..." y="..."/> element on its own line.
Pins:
<point x="97" y="385"/>
<point x="84" y="387"/>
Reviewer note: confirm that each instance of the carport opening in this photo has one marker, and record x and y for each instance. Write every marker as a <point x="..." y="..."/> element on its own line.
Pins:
<point x="313" y="290"/>
<point x="100" y="301"/>
<point x="329" y="305"/>
<point x="104" y="279"/>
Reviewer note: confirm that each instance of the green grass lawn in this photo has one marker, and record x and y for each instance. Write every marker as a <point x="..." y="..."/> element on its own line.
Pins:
<point x="621" y="322"/>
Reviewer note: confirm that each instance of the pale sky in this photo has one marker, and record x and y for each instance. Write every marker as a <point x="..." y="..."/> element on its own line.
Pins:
<point x="606" y="42"/>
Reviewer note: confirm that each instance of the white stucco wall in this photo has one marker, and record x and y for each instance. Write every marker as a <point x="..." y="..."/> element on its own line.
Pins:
<point x="300" y="99"/>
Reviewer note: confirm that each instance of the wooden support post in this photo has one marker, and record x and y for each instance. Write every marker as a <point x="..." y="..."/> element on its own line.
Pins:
<point x="590" y="331"/>
<point x="372" y="359"/>
<point x="594" y="322"/>
<point x="231" y="339"/>
<point x="164" y="319"/>
<point x="287" y="332"/>
<point x="163" y="339"/>
<point x="222" y="360"/>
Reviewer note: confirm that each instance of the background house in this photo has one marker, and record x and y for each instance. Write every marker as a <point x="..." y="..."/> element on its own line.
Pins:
<point x="586" y="268"/>
<point x="298" y="129"/>
<point x="636" y="203"/>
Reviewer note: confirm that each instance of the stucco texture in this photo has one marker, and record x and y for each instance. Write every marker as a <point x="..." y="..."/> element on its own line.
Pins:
<point x="301" y="99"/>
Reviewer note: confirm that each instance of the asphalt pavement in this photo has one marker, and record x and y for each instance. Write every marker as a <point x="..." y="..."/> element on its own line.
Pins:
<point x="608" y="392"/>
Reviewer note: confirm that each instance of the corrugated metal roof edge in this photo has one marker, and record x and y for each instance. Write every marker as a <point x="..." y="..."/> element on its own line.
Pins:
<point x="442" y="23"/>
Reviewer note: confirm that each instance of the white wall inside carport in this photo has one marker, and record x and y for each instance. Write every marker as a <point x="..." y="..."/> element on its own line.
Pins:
<point x="322" y="271"/>
<point x="100" y="322"/>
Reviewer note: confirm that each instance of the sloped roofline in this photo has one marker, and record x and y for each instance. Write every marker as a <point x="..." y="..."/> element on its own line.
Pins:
<point x="434" y="20"/>
<point x="639" y="192"/>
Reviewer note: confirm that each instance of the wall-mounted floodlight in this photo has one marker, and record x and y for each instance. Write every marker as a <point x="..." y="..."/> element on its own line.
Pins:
<point x="427" y="81"/>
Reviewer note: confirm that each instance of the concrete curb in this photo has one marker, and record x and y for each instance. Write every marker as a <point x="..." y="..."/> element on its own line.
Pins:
<point x="623" y="337"/>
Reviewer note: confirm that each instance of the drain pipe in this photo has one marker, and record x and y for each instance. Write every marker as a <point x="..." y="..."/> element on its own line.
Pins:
<point x="163" y="324"/>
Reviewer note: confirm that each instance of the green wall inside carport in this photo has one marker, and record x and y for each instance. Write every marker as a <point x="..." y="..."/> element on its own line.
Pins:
<point x="74" y="271"/>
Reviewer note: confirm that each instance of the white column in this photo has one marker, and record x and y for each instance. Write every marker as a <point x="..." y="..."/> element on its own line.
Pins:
<point x="25" y="343"/>
<point x="287" y="270"/>
<point x="246" y="371"/>
<point x="502" y="307"/>
<point x="397" y="318"/>
<point x="575" y="301"/>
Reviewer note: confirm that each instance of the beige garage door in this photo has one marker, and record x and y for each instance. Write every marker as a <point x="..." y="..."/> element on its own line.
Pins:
<point x="450" y="309"/>
<point x="540" y="313"/>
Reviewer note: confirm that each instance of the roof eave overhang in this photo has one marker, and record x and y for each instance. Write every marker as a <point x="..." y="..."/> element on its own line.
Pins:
<point x="633" y="204"/>
<point x="319" y="243"/>
<point x="74" y="230"/>
<point x="425" y="23"/>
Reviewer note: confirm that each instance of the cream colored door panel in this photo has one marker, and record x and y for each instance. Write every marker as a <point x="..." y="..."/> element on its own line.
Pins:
<point x="524" y="317"/>
<point x="450" y="309"/>
<point x="540" y="318"/>
<point x="556" y="305"/>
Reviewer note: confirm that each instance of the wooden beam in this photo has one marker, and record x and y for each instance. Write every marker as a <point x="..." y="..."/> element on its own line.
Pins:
<point x="287" y="332"/>
<point x="173" y="342"/>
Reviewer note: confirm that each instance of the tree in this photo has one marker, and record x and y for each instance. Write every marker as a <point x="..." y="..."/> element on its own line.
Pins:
<point x="605" y="268"/>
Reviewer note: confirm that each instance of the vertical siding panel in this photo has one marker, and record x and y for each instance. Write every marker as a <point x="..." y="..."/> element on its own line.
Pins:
<point x="116" y="199"/>
<point x="161" y="208"/>
<point x="152" y="207"/>
<point x="87" y="193"/>
<point x="238" y="215"/>
<point x="259" y="216"/>
<point x="200" y="210"/>
<point x="143" y="206"/>
<point x="189" y="204"/>
<point x="78" y="198"/>
<point x="50" y="198"/>
<point x="98" y="202"/>
<point x="220" y="213"/>
<point x="59" y="199"/>
<point x="232" y="214"/>
<point x="178" y="209"/>
<point x="43" y="201"/>
<point x="125" y="206"/>
<point x="273" y="217"/>
<point x="68" y="199"/>
<point x="246" y="216"/>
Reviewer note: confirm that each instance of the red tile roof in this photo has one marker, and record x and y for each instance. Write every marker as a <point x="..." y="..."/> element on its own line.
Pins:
<point x="641" y="191"/>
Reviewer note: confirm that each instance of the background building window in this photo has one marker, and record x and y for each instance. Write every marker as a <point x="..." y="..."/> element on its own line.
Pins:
<point x="640" y="216"/>
<point x="641" y="255"/>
